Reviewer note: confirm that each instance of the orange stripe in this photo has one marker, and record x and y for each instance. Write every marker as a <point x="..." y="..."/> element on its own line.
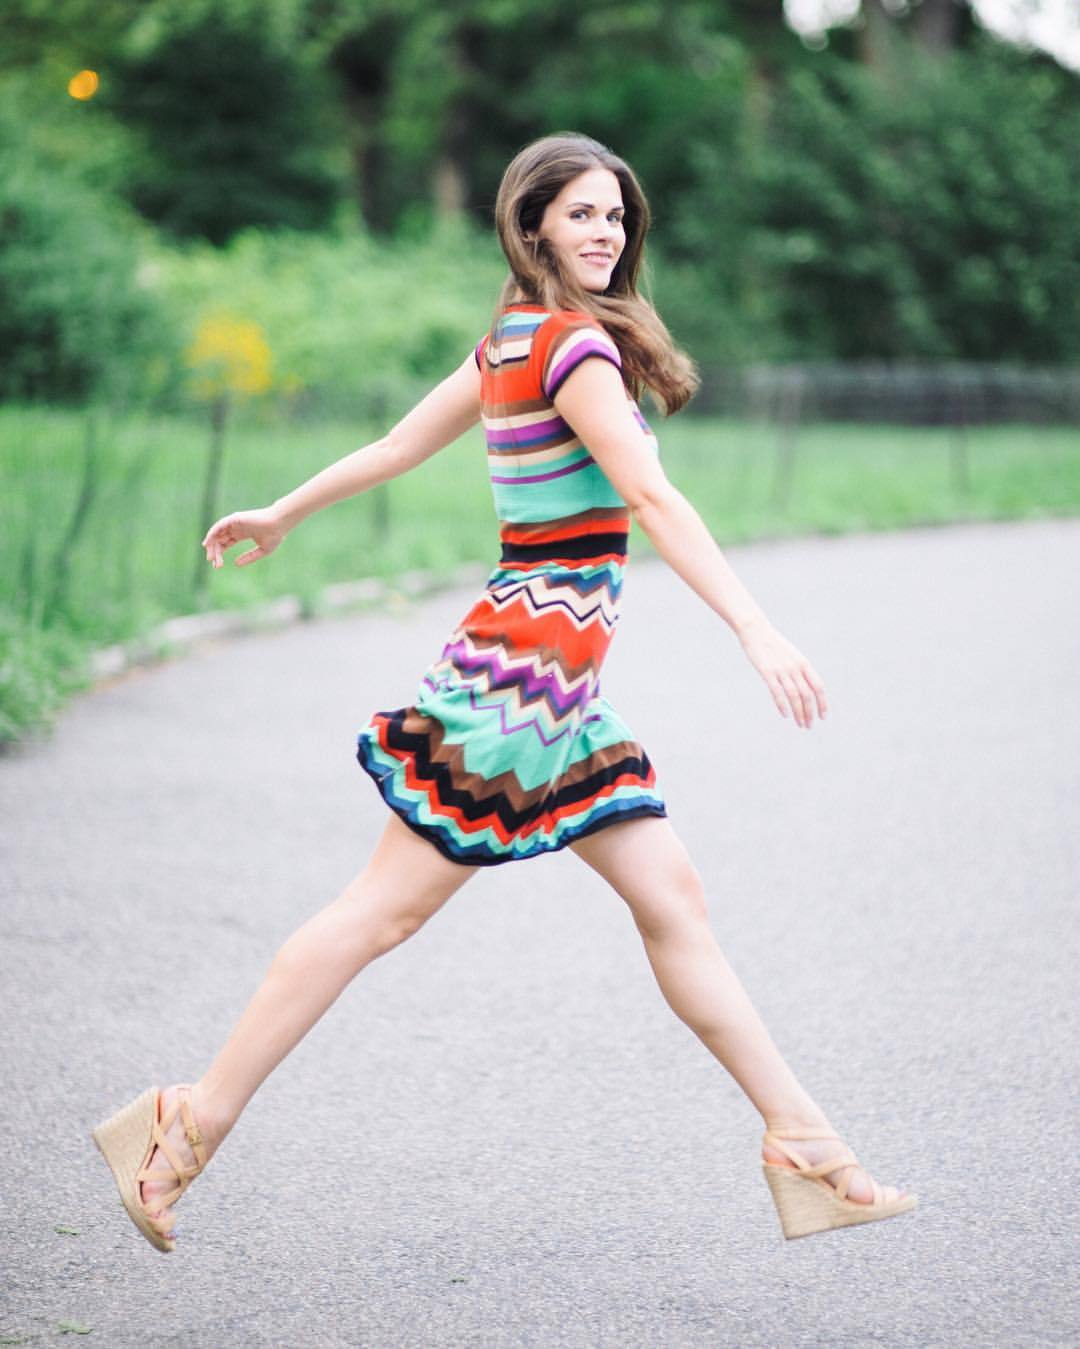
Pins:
<point x="512" y="533"/>
<point x="571" y="563"/>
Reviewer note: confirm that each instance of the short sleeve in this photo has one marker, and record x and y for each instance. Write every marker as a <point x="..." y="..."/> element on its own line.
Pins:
<point x="478" y="351"/>
<point x="573" y="339"/>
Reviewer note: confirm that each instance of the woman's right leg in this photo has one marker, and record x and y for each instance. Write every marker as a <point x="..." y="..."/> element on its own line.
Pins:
<point x="406" y="881"/>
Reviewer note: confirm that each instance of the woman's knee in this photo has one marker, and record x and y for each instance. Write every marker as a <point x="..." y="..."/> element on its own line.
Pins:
<point x="399" y="927"/>
<point x="378" y="922"/>
<point x="670" y="902"/>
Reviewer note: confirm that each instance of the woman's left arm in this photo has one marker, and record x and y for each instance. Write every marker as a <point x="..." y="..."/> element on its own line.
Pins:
<point x="447" y="412"/>
<point x="593" y="401"/>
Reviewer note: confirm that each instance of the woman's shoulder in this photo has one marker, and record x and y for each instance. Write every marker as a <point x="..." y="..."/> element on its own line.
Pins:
<point x="558" y="320"/>
<point x="558" y="325"/>
<point x="547" y="343"/>
<point x="566" y="338"/>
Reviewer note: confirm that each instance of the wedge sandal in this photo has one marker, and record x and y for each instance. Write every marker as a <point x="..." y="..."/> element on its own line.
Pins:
<point x="807" y="1203"/>
<point x="127" y="1142"/>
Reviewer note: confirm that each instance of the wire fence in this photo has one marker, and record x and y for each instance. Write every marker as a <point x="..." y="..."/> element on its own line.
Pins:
<point x="955" y="398"/>
<point x="953" y="395"/>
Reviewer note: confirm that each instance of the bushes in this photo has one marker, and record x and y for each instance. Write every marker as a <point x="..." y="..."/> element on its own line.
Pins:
<point x="75" y="322"/>
<point x="73" y="319"/>
<point x="239" y="126"/>
<point x="94" y="305"/>
<point x="931" y="214"/>
<point x="39" y="669"/>
<point x="352" y="324"/>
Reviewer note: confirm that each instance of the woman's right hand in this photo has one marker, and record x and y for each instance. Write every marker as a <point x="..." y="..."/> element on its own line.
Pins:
<point x="264" y="527"/>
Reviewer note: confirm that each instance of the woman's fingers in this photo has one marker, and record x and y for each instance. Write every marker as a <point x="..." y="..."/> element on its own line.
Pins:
<point x="794" y="696"/>
<point x="217" y="539"/>
<point x="776" y="688"/>
<point x="794" y="684"/>
<point x="217" y="530"/>
<point x="225" y="534"/>
<point x="803" y="692"/>
<point x="817" y="688"/>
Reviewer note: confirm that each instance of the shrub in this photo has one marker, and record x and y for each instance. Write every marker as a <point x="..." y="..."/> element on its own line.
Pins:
<point x="932" y="213"/>
<point x="74" y="320"/>
<point x="351" y="323"/>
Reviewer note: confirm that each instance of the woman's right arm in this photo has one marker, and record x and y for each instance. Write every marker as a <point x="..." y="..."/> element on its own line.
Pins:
<point x="437" y="421"/>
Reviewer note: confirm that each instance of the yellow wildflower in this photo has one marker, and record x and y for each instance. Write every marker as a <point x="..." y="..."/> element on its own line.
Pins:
<point x="230" y="355"/>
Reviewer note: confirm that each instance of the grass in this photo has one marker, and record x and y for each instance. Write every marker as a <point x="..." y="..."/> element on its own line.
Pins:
<point x="83" y="575"/>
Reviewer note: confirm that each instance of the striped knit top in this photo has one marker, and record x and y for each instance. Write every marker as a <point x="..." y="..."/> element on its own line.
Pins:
<point x="539" y="468"/>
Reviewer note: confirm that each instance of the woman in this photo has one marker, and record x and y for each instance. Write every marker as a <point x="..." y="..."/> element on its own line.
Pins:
<point x="510" y="750"/>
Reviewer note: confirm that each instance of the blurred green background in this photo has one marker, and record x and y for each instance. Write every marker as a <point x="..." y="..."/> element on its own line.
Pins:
<point x="239" y="237"/>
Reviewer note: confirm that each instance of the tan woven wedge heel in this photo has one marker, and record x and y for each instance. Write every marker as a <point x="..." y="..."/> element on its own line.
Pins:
<point x="807" y="1203"/>
<point x="127" y="1142"/>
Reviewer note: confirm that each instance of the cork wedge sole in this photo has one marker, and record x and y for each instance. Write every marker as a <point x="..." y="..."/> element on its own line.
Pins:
<point x="807" y="1205"/>
<point x="127" y="1142"/>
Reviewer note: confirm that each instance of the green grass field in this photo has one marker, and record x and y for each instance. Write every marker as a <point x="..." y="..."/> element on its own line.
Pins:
<point x="80" y="576"/>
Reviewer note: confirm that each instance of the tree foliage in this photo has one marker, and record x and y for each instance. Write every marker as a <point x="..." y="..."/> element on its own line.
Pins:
<point x="932" y="214"/>
<point x="236" y="122"/>
<point x="911" y="191"/>
<point x="74" y="319"/>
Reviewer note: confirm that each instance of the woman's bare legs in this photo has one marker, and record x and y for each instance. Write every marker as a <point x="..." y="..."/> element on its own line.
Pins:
<point x="648" y="866"/>
<point x="404" y="883"/>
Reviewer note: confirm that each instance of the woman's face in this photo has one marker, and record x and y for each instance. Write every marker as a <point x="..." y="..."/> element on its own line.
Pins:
<point x="585" y="224"/>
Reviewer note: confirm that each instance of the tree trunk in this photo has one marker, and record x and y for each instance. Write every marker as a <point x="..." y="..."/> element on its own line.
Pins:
<point x="937" y="26"/>
<point x="61" y="566"/>
<point x="448" y="186"/>
<point x="219" y="412"/>
<point x="876" y="35"/>
<point x="449" y="174"/>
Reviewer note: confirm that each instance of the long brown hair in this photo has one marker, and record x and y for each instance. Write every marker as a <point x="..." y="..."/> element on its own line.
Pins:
<point x="536" y="175"/>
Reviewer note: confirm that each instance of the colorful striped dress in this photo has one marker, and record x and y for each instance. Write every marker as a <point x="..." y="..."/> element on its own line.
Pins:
<point x="509" y="749"/>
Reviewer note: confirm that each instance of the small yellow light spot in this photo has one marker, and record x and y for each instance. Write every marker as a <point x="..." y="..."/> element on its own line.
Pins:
<point x="84" y="85"/>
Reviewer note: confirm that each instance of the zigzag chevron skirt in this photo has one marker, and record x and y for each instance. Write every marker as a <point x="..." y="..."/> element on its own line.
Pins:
<point x="509" y="749"/>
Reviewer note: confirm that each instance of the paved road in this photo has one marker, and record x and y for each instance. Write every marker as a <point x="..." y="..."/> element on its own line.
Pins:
<point x="501" y="1136"/>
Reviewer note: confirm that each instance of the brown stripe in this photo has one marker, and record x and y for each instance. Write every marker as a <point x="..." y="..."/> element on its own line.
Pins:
<point x="507" y="784"/>
<point x="519" y="408"/>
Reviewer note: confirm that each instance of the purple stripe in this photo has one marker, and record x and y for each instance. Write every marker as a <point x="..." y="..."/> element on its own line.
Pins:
<point x="529" y="682"/>
<point x="532" y="724"/>
<point x="573" y="358"/>
<point x="526" y="435"/>
<point x="545" y="477"/>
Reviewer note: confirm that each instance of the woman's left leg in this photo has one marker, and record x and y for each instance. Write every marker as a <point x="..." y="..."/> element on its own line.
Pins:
<point x="647" y="865"/>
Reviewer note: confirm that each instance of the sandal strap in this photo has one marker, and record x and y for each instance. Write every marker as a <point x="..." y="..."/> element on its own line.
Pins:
<point x="785" y="1132"/>
<point x="845" y="1161"/>
<point x="192" y="1132"/>
<point x="182" y="1173"/>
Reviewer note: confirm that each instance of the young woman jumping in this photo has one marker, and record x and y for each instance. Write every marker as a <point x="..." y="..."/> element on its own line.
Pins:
<point x="509" y="749"/>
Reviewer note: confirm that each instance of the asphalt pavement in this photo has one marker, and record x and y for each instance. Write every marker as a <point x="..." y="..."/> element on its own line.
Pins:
<point x="501" y="1136"/>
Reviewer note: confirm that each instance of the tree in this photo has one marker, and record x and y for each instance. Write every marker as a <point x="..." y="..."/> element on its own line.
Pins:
<point x="236" y="120"/>
<point x="942" y="225"/>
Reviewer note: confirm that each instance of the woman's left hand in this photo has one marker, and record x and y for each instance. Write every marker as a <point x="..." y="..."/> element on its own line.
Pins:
<point x="791" y="679"/>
